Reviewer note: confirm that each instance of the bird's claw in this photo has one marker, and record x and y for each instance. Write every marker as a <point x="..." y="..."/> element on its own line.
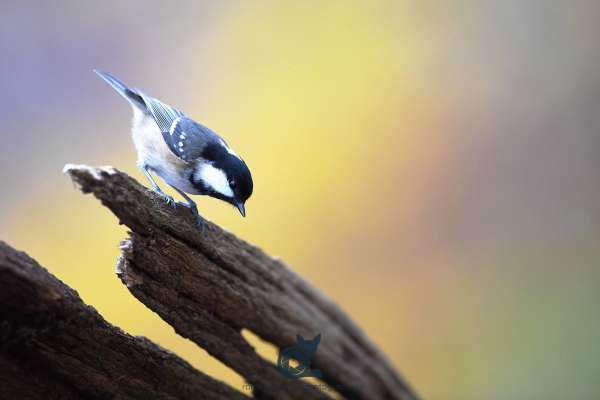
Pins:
<point x="200" y="222"/>
<point x="168" y="199"/>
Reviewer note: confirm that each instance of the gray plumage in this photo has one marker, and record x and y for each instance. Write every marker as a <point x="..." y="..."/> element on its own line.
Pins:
<point x="163" y="114"/>
<point x="188" y="139"/>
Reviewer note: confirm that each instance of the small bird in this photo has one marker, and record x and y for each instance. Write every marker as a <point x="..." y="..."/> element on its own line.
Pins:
<point x="188" y="156"/>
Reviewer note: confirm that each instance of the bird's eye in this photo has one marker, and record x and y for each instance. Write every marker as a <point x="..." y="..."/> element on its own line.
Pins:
<point x="232" y="184"/>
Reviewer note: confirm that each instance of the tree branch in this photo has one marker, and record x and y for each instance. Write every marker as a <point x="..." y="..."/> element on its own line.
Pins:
<point x="209" y="285"/>
<point x="53" y="346"/>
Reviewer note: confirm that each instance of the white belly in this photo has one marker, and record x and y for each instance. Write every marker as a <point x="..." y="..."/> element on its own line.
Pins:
<point x="154" y="152"/>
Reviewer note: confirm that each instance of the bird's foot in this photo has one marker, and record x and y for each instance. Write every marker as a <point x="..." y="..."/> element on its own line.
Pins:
<point x="200" y="222"/>
<point x="168" y="199"/>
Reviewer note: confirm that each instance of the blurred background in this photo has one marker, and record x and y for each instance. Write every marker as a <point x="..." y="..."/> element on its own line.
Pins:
<point x="431" y="166"/>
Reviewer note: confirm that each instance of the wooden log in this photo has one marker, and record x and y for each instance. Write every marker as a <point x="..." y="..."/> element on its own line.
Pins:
<point x="53" y="346"/>
<point x="209" y="285"/>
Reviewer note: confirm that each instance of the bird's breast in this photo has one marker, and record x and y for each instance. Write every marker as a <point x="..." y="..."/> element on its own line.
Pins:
<point x="154" y="152"/>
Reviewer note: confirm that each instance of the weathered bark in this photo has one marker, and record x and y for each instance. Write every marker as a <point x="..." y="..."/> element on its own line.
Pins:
<point x="53" y="346"/>
<point x="209" y="285"/>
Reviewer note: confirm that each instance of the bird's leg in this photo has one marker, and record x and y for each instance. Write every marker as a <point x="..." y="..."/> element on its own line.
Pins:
<point x="192" y="206"/>
<point x="170" y="201"/>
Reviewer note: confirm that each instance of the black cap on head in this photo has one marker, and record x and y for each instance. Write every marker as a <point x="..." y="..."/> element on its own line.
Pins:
<point x="239" y="178"/>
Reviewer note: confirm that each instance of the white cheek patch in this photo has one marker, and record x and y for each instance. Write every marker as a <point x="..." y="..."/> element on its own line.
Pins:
<point x="215" y="179"/>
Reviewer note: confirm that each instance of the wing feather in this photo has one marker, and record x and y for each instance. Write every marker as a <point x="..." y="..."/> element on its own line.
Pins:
<point x="163" y="114"/>
<point x="188" y="139"/>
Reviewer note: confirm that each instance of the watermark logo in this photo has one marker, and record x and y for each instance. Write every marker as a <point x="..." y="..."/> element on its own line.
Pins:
<point x="294" y="361"/>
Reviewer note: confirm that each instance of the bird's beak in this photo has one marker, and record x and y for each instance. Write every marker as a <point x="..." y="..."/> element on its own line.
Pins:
<point x="242" y="209"/>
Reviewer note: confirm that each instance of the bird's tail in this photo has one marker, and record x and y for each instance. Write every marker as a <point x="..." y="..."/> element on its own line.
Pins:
<point x="129" y="94"/>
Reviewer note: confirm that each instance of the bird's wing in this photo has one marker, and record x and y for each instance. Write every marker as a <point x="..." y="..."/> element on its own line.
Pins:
<point x="163" y="114"/>
<point x="187" y="139"/>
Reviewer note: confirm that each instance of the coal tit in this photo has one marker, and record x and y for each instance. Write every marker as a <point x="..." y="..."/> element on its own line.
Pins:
<point x="187" y="155"/>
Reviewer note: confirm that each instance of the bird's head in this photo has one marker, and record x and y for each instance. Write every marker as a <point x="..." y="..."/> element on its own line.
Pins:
<point x="224" y="176"/>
